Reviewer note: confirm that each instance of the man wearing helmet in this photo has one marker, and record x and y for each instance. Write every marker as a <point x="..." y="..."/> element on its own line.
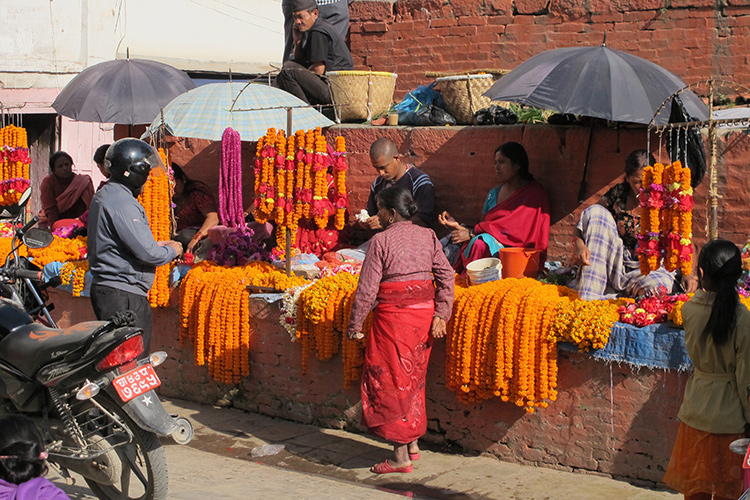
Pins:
<point x="122" y="252"/>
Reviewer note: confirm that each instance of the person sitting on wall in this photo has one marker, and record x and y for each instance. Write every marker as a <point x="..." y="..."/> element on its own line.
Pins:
<point x="65" y="195"/>
<point x="392" y="171"/>
<point x="515" y="213"/>
<point x="606" y="237"/>
<point x="195" y="209"/>
<point x="99" y="155"/>
<point x="335" y="12"/>
<point x="318" y="48"/>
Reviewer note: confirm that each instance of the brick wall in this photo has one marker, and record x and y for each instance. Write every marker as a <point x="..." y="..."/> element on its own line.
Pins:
<point x="694" y="39"/>
<point x="607" y="418"/>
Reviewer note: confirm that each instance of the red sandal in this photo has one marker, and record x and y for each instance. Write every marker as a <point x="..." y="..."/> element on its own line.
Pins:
<point x="385" y="468"/>
<point x="414" y="456"/>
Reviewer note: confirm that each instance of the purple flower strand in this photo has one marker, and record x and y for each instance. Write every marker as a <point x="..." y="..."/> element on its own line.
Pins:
<point x="231" y="212"/>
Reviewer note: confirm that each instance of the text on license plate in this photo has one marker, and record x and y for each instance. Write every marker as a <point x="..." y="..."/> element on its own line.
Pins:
<point x="136" y="382"/>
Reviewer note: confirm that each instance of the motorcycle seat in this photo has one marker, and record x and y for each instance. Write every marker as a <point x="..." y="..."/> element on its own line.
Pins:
<point x="33" y="346"/>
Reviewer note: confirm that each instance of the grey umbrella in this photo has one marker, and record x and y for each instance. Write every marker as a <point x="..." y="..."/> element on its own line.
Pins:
<point x="597" y="82"/>
<point x="125" y="91"/>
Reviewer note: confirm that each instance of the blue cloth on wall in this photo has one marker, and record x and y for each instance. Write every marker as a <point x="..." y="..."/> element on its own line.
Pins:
<point x="652" y="346"/>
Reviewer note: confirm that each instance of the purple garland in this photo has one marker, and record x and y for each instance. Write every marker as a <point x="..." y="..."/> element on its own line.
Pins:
<point x="231" y="212"/>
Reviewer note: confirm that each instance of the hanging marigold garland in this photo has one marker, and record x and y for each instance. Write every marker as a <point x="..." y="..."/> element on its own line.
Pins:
<point x="666" y="201"/>
<point x="215" y="315"/>
<point x="14" y="164"/>
<point x="73" y="273"/>
<point x="156" y="199"/>
<point x="292" y="182"/>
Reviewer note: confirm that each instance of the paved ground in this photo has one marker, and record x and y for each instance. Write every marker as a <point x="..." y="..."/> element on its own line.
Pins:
<point x="223" y="463"/>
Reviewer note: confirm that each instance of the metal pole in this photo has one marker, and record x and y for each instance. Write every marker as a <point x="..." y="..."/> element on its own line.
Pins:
<point x="288" y="249"/>
<point x="713" y="186"/>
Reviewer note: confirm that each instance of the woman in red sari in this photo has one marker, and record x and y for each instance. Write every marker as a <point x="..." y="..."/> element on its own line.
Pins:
<point x="65" y="195"/>
<point x="408" y="280"/>
<point x="516" y="213"/>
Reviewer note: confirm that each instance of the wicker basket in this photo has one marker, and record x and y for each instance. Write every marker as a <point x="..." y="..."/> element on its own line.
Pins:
<point x="463" y="95"/>
<point x="361" y="95"/>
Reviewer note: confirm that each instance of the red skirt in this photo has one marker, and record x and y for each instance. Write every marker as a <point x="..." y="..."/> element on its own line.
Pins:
<point x="701" y="462"/>
<point x="395" y="366"/>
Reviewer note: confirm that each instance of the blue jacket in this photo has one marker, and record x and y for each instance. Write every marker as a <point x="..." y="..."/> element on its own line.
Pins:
<point x="122" y="252"/>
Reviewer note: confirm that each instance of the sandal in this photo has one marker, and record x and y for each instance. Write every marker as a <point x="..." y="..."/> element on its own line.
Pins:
<point x="385" y="468"/>
<point x="414" y="456"/>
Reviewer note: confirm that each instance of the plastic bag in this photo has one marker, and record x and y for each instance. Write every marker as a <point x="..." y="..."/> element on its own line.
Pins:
<point x="428" y="116"/>
<point x="419" y="98"/>
<point x="266" y="450"/>
<point x="495" y="115"/>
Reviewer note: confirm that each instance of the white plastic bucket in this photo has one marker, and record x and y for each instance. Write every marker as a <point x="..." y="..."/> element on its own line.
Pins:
<point x="484" y="270"/>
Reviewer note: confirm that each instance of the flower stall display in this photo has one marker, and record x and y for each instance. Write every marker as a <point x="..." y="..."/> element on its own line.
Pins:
<point x="666" y="201"/>
<point x="73" y="273"/>
<point x="14" y="164"/>
<point x="293" y="183"/>
<point x="156" y="199"/>
<point x="215" y="315"/>
<point x="649" y="310"/>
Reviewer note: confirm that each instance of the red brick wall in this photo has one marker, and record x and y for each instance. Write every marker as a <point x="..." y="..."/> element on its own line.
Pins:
<point x="694" y="39"/>
<point x="608" y="418"/>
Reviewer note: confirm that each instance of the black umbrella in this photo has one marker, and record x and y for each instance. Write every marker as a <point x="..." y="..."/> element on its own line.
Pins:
<point x="125" y="91"/>
<point x="597" y="82"/>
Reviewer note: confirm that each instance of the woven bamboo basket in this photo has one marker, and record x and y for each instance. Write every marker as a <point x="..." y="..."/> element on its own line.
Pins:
<point x="361" y="95"/>
<point x="463" y="95"/>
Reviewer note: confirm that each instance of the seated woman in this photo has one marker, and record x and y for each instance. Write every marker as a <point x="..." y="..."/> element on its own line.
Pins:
<point x="606" y="237"/>
<point x="195" y="209"/>
<point x="515" y="213"/>
<point x="65" y="195"/>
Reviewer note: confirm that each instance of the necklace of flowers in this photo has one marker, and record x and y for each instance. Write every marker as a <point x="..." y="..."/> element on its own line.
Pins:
<point x="289" y="302"/>
<point x="231" y="212"/>
<point x="341" y="197"/>
<point x="651" y="201"/>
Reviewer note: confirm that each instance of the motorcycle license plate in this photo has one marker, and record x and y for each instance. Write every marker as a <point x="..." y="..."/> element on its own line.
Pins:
<point x="136" y="382"/>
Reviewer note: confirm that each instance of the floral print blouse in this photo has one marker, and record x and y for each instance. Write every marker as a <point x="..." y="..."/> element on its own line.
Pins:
<point x="628" y="223"/>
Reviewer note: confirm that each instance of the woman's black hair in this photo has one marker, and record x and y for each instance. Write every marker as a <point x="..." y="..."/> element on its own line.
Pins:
<point x="638" y="159"/>
<point x="55" y="156"/>
<point x="721" y="263"/>
<point x="20" y="439"/>
<point x="398" y="198"/>
<point x="181" y="175"/>
<point x="517" y="155"/>
<point x="100" y="153"/>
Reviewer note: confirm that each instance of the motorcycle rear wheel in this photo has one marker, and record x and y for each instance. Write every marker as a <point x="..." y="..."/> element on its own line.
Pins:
<point x="144" y="466"/>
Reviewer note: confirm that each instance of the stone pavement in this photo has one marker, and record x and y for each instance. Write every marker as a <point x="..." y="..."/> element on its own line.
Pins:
<point x="344" y="458"/>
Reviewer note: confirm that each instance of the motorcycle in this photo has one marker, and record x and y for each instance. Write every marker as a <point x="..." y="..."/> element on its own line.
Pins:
<point x="89" y="387"/>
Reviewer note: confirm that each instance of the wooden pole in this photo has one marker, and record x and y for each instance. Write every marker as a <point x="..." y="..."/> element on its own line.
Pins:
<point x="288" y="249"/>
<point x="713" y="187"/>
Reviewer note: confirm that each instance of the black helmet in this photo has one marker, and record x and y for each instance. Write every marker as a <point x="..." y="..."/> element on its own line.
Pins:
<point x="129" y="162"/>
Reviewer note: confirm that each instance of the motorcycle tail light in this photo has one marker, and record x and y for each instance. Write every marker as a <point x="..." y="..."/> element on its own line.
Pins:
<point x="123" y="353"/>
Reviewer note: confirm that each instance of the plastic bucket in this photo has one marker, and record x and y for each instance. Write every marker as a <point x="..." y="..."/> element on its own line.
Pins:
<point x="484" y="270"/>
<point x="520" y="262"/>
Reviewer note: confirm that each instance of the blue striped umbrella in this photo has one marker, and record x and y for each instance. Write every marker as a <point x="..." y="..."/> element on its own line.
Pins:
<point x="250" y="109"/>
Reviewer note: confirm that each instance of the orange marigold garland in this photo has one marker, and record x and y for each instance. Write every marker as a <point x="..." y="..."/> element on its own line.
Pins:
<point x="14" y="164"/>
<point x="156" y="200"/>
<point x="73" y="273"/>
<point x="341" y="197"/>
<point x="215" y="316"/>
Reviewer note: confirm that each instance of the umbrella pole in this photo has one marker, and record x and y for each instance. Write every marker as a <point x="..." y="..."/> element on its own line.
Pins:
<point x="288" y="249"/>
<point x="582" y="189"/>
<point x="713" y="186"/>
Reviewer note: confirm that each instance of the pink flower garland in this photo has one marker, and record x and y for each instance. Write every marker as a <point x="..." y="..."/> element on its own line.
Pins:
<point x="231" y="212"/>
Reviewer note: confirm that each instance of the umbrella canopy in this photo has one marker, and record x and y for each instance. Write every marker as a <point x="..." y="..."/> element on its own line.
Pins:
<point x="125" y="91"/>
<point x="250" y="109"/>
<point x="597" y="82"/>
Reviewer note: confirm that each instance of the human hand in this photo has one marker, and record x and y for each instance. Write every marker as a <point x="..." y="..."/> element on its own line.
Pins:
<point x="460" y="235"/>
<point x="296" y="34"/>
<point x="689" y="283"/>
<point x="373" y="223"/>
<point x="437" y="329"/>
<point x="196" y="239"/>
<point x="174" y="244"/>
<point x="447" y="220"/>
<point x="581" y="253"/>
<point x="355" y="335"/>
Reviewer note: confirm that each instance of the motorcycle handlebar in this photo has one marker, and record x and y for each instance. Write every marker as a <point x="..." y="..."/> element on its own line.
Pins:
<point x="22" y="274"/>
<point x="28" y="225"/>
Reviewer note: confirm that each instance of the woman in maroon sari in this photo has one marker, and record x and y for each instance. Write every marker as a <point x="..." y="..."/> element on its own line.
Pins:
<point x="65" y="195"/>
<point x="407" y="278"/>
<point x="516" y="213"/>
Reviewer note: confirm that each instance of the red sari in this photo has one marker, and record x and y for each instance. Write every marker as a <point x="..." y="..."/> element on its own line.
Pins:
<point x="521" y="220"/>
<point x="395" y="367"/>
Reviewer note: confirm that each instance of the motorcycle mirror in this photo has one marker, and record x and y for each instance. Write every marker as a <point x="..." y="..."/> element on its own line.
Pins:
<point x="24" y="199"/>
<point x="38" y="238"/>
